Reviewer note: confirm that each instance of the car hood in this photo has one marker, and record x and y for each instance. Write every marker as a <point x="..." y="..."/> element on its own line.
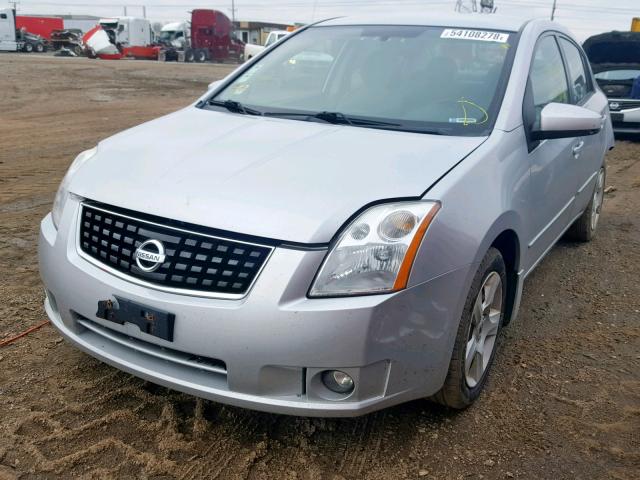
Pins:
<point x="608" y="50"/>
<point x="278" y="178"/>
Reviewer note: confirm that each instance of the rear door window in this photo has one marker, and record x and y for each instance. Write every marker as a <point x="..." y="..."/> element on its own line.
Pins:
<point x="578" y="74"/>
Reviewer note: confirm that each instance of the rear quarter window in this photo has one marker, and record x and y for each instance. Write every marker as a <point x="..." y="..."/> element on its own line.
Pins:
<point x="580" y="83"/>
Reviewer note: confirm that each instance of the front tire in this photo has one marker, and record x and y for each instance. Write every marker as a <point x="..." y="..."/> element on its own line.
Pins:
<point x="584" y="228"/>
<point x="476" y="340"/>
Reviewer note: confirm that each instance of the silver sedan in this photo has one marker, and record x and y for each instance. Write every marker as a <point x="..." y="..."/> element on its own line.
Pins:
<point x="342" y="224"/>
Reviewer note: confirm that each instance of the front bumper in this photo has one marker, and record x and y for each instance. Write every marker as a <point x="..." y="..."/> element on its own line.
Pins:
<point x="265" y="351"/>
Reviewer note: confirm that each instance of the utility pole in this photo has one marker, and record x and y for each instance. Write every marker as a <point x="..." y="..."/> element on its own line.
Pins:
<point x="233" y="12"/>
<point x="125" y="10"/>
<point x="553" y="10"/>
<point x="144" y="11"/>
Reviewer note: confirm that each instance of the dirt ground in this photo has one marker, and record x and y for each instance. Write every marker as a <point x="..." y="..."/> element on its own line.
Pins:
<point x="563" y="400"/>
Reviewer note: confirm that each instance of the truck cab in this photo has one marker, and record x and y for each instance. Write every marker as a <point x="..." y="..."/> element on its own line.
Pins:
<point x="128" y="31"/>
<point x="8" y="41"/>
<point x="208" y="37"/>
<point x="175" y="34"/>
<point x="212" y="32"/>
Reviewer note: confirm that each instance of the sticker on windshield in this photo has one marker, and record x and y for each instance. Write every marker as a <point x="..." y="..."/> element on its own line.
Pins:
<point x="467" y="107"/>
<point x="481" y="35"/>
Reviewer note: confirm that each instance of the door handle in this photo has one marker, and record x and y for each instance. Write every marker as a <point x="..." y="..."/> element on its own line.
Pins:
<point x="577" y="148"/>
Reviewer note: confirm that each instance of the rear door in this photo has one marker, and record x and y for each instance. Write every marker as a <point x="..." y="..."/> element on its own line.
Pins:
<point x="588" y="150"/>
<point x="553" y="174"/>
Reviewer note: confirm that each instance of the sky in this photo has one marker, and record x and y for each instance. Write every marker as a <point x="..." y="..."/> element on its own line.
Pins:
<point x="583" y="17"/>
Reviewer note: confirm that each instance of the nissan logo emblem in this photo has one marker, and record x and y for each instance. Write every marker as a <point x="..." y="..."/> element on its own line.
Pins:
<point x="150" y="255"/>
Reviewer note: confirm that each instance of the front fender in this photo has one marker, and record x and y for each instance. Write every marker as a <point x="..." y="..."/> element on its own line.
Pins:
<point x="484" y="195"/>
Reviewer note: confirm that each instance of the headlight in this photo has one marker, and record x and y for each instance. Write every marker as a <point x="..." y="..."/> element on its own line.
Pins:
<point x="63" y="190"/>
<point x="375" y="253"/>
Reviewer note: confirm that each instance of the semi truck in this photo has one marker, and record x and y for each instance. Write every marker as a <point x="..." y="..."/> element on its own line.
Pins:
<point x="115" y="38"/>
<point x="16" y="40"/>
<point x="207" y="37"/>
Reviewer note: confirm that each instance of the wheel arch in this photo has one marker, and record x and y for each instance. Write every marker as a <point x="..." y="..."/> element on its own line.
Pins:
<point x="505" y="237"/>
<point x="508" y="244"/>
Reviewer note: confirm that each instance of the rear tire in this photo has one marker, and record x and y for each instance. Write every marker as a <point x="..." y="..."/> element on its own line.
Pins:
<point x="39" y="48"/>
<point x="28" y="47"/>
<point x="584" y="228"/>
<point x="201" y="56"/>
<point x="479" y="329"/>
<point x="189" y="56"/>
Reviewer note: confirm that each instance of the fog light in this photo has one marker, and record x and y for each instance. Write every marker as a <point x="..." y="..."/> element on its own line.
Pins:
<point x="337" y="381"/>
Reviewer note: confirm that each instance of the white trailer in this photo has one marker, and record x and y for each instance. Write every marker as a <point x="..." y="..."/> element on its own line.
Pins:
<point x="8" y="41"/>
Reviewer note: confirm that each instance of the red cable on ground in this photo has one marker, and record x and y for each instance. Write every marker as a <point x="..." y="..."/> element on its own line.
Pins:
<point x="6" y="342"/>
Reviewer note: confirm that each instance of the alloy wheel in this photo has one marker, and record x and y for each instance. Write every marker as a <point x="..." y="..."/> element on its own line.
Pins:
<point x="485" y="322"/>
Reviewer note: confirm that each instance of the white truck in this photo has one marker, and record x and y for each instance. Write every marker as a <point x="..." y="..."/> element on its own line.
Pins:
<point x="176" y="34"/>
<point x="251" y="50"/>
<point x="13" y="40"/>
<point x="8" y="41"/>
<point x="128" y="31"/>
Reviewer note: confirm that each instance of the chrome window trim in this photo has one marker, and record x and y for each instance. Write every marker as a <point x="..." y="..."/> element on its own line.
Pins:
<point x="153" y="286"/>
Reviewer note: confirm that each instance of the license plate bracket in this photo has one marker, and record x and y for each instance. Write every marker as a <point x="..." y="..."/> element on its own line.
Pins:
<point x="150" y="320"/>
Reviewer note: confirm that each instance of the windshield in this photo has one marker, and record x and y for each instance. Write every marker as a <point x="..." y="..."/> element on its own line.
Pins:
<point x="618" y="75"/>
<point x="414" y="78"/>
<point x="169" y="35"/>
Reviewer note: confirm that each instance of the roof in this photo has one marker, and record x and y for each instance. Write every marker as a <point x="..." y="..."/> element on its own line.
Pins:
<point x="490" y="22"/>
<point x="169" y="27"/>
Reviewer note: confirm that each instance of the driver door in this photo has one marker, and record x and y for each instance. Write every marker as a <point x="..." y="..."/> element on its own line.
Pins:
<point x="553" y="173"/>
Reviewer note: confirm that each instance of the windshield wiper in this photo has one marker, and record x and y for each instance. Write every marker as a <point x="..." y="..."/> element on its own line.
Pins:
<point x="235" y="107"/>
<point x="335" y="118"/>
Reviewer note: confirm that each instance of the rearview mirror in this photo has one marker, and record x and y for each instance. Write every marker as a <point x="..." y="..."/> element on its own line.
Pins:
<point x="561" y="120"/>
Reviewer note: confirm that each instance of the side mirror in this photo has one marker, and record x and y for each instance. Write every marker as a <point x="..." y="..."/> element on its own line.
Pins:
<point x="561" y="120"/>
<point x="214" y="85"/>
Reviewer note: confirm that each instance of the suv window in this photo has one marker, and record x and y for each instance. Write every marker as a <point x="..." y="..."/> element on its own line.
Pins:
<point x="578" y="76"/>
<point x="547" y="76"/>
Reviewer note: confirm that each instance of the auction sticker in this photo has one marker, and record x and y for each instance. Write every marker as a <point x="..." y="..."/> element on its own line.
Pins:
<point x="482" y="35"/>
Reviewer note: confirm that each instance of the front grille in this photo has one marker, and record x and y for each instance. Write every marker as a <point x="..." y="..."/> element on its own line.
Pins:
<point x="195" y="263"/>
<point x="623" y="104"/>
